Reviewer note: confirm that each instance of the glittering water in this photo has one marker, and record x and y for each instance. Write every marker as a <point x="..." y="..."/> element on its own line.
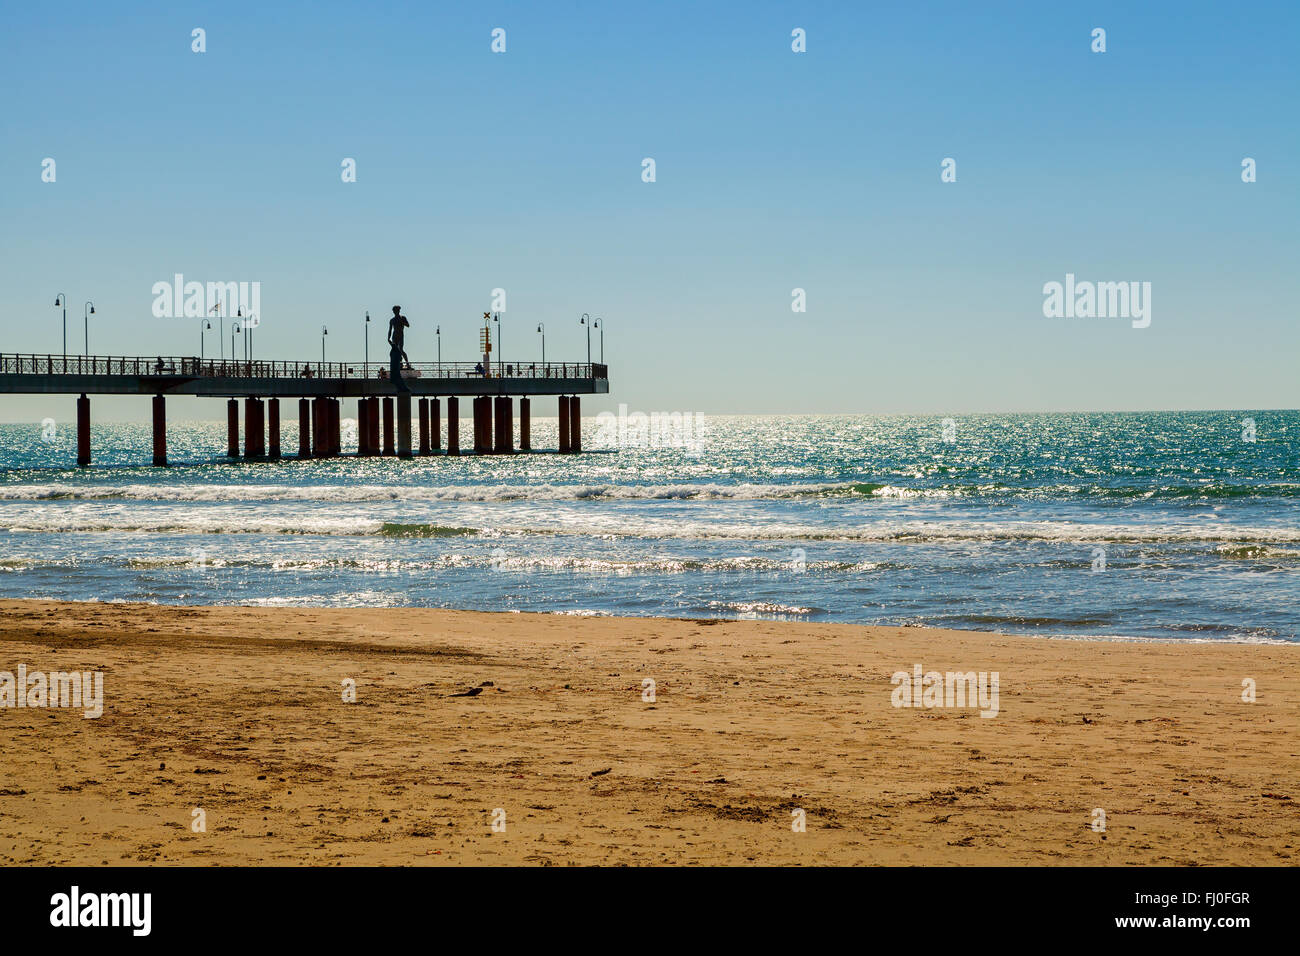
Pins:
<point x="1169" y="525"/>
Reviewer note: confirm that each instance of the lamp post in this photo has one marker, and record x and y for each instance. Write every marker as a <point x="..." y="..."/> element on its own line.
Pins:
<point x="586" y="320"/>
<point x="323" y="332"/>
<point x="62" y="300"/>
<point x="365" y="370"/>
<point x="234" y="330"/>
<point x="205" y="326"/>
<point x="86" y="314"/>
<point x="541" y="328"/>
<point x="437" y="333"/>
<point x="496" y="317"/>
<point x="600" y="324"/>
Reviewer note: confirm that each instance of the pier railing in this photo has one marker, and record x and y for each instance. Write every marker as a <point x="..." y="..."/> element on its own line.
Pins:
<point x="193" y="367"/>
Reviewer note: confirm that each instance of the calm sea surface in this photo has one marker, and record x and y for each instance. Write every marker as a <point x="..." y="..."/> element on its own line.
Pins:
<point x="1168" y="525"/>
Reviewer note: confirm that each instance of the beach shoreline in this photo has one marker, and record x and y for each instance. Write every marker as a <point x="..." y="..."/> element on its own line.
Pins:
<point x="533" y="739"/>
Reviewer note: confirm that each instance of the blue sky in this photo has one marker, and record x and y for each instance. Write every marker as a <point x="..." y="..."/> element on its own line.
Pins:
<point x="775" y="170"/>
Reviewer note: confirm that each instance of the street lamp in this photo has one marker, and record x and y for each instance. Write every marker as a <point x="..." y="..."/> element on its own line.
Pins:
<point x="234" y="329"/>
<point x="323" y="332"/>
<point x="437" y="331"/>
<point x="586" y="320"/>
<point x="600" y="324"/>
<point x="86" y="314"/>
<point x="205" y="327"/>
<point x="541" y="328"/>
<point x="62" y="300"/>
<point x="365" y="371"/>
<point x="496" y="317"/>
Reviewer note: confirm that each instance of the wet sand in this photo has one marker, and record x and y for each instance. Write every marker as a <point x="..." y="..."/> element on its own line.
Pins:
<point x="239" y="712"/>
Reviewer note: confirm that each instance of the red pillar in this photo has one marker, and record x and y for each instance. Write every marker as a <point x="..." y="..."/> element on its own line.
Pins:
<point x="435" y="424"/>
<point x="319" y="442"/>
<point x="505" y="426"/>
<point x="372" y="427"/>
<point x="273" y="425"/>
<point x="575" y="424"/>
<point x="564" y="423"/>
<point x="83" y="431"/>
<point x="424" y="426"/>
<point x="363" y="423"/>
<point x="304" y="428"/>
<point x="525" y="440"/>
<point x="453" y="425"/>
<point x="388" y="426"/>
<point x="160" y="431"/>
<point x="404" y="425"/>
<point x="232" y="428"/>
<point x="254" y="446"/>
<point x="336" y="425"/>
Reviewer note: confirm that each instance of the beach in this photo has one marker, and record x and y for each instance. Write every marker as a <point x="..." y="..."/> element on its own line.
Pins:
<point x="534" y="739"/>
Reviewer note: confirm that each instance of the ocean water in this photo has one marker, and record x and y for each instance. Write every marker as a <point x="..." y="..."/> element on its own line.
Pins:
<point x="1143" y="525"/>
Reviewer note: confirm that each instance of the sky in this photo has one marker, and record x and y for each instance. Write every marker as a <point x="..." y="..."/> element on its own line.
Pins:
<point x="775" y="170"/>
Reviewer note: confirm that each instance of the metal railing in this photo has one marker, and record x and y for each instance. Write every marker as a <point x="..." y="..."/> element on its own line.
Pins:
<point x="193" y="367"/>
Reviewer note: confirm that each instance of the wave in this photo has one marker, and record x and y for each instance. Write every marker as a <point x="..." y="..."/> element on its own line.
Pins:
<point x="217" y="493"/>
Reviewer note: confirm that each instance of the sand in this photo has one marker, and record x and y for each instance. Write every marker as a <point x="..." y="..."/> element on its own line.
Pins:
<point x="239" y="712"/>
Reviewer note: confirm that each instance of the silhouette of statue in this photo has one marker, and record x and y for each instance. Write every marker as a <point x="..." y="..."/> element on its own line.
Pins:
<point x="396" y="354"/>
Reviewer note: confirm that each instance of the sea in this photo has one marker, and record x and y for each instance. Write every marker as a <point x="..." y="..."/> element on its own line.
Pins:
<point x="1164" y="525"/>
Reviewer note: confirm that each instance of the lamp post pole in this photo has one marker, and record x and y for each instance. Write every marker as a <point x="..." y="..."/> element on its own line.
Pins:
<point x="323" y="332"/>
<point x="501" y="368"/>
<point x="437" y="333"/>
<point x="234" y="328"/>
<point x="62" y="299"/>
<point x="600" y="324"/>
<point x="541" y="328"/>
<point x="365" y="371"/>
<point x="86" y="314"/>
<point x="586" y="320"/>
<point x="204" y="326"/>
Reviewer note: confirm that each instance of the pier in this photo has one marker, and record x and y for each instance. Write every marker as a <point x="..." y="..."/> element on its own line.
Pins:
<point x="384" y="413"/>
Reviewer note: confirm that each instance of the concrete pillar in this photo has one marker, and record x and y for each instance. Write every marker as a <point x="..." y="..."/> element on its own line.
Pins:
<point x="160" y="431"/>
<point x="435" y="424"/>
<point x="453" y="425"/>
<point x="476" y="410"/>
<point x="232" y="428"/>
<point x="424" y="426"/>
<point x="273" y="428"/>
<point x="304" y="428"/>
<point x="319" y="427"/>
<point x="404" y="425"/>
<point x="388" y="426"/>
<point x="564" y="423"/>
<point x="83" y="431"/>
<point x="487" y="424"/>
<point x="372" y="427"/>
<point x="575" y="424"/>
<point x="363" y="421"/>
<point x="335" y="407"/>
<point x="505" y="432"/>
<point x="254" y="429"/>
<point x="525" y="441"/>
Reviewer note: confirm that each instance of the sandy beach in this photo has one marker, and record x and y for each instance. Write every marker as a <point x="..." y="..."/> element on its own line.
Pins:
<point x="239" y="713"/>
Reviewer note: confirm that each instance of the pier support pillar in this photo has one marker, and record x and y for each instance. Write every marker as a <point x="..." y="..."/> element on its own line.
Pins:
<point x="453" y="425"/>
<point x="505" y="426"/>
<point x="336" y="427"/>
<point x="273" y="428"/>
<point x="160" y="431"/>
<point x="388" y="426"/>
<point x="363" y="424"/>
<point x="372" y="427"/>
<point x="404" y="425"/>
<point x="232" y="428"/>
<point x="319" y="429"/>
<point x="304" y="428"/>
<point x="254" y="429"/>
<point x="564" y="423"/>
<point x="83" y="432"/>
<point x="435" y="424"/>
<point x="525" y="442"/>
<point x="575" y="424"/>
<point x="476" y="410"/>
<point x="424" y="426"/>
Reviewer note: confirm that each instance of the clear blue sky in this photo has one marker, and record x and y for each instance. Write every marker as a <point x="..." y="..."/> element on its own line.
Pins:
<point x="775" y="170"/>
